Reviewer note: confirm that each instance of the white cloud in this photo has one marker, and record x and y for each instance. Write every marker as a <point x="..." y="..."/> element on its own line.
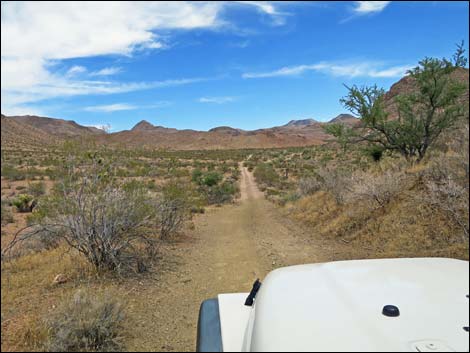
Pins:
<point x="216" y="100"/>
<point x="364" y="69"/>
<point x="76" y="29"/>
<point x="74" y="70"/>
<point x="284" y="71"/>
<point x="110" y="108"/>
<point x="36" y="35"/>
<point x="264" y="6"/>
<point x="155" y="45"/>
<point x="364" y="7"/>
<point x="107" y="71"/>
<point x="59" y="87"/>
<point x="268" y="8"/>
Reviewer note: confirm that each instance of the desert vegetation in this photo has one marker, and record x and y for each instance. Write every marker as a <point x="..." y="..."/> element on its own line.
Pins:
<point x="86" y="323"/>
<point x="87" y="226"/>
<point x="113" y="215"/>
<point x="396" y="185"/>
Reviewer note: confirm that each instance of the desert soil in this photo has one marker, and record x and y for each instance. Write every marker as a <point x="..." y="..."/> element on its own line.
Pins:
<point x="228" y="249"/>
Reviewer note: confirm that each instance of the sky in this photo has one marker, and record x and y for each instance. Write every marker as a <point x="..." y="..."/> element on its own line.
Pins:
<point x="198" y="65"/>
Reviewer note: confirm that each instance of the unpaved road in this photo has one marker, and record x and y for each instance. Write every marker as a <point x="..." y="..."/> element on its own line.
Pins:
<point x="229" y="248"/>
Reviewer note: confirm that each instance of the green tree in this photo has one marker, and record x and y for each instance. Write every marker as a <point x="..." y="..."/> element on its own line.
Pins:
<point x="342" y="133"/>
<point x="423" y="114"/>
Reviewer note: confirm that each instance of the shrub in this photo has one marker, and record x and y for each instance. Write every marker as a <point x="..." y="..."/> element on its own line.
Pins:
<point x="196" y="175"/>
<point x="451" y="199"/>
<point x="220" y="194"/>
<point x="378" y="190"/>
<point x="10" y="172"/>
<point x="106" y="222"/>
<point x="37" y="189"/>
<point x="171" y="214"/>
<point x="24" y="203"/>
<point x="335" y="181"/>
<point x="447" y="186"/>
<point x="211" y="178"/>
<point x="86" y="323"/>
<point x="265" y="174"/>
<point x="7" y="216"/>
<point x="308" y="186"/>
<point x="375" y="152"/>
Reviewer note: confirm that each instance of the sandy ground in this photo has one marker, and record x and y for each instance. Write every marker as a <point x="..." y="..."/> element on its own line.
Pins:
<point x="229" y="248"/>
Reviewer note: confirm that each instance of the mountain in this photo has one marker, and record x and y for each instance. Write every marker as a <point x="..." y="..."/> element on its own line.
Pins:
<point x="17" y="135"/>
<point x="346" y="119"/>
<point x="144" y="125"/>
<point x="300" y="123"/>
<point x="56" y="127"/>
<point x="33" y="131"/>
<point x="227" y="130"/>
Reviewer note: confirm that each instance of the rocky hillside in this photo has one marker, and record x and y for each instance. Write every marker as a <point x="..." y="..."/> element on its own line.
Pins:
<point x="406" y="85"/>
<point x="17" y="135"/>
<point x="56" y="127"/>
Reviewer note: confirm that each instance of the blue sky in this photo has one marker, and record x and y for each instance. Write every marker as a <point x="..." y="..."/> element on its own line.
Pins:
<point x="198" y="65"/>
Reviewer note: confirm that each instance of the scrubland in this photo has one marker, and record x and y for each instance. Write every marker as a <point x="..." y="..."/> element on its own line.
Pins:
<point x="63" y="289"/>
<point x="381" y="207"/>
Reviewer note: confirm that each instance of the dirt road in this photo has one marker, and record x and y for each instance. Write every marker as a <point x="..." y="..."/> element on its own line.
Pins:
<point x="229" y="248"/>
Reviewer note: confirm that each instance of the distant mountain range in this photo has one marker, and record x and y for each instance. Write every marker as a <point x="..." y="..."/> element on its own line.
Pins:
<point x="295" y="133"/>
<point x="43" y="131"/>
<point x="39" y="132"/>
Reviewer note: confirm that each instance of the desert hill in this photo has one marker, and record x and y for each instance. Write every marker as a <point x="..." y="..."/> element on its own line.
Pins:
<point x="56" y="127"/>
<point x="18" y="135"/>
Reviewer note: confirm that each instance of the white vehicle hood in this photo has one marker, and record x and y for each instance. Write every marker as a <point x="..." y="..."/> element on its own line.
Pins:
<point x="338" y="306"/>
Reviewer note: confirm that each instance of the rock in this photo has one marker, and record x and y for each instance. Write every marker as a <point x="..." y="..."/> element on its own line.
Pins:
<point x="59" y="279"/>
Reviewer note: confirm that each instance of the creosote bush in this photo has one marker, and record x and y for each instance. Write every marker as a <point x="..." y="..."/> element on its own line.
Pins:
<point x="107" y="222"/>
<point x="222" y="193"/>
<point x="171" y="215"/>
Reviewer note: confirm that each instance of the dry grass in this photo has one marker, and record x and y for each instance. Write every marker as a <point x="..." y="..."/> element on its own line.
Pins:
<point x="29" y="296"/>
<point x="86" y="322"/>
<point x="403" y="226"/>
